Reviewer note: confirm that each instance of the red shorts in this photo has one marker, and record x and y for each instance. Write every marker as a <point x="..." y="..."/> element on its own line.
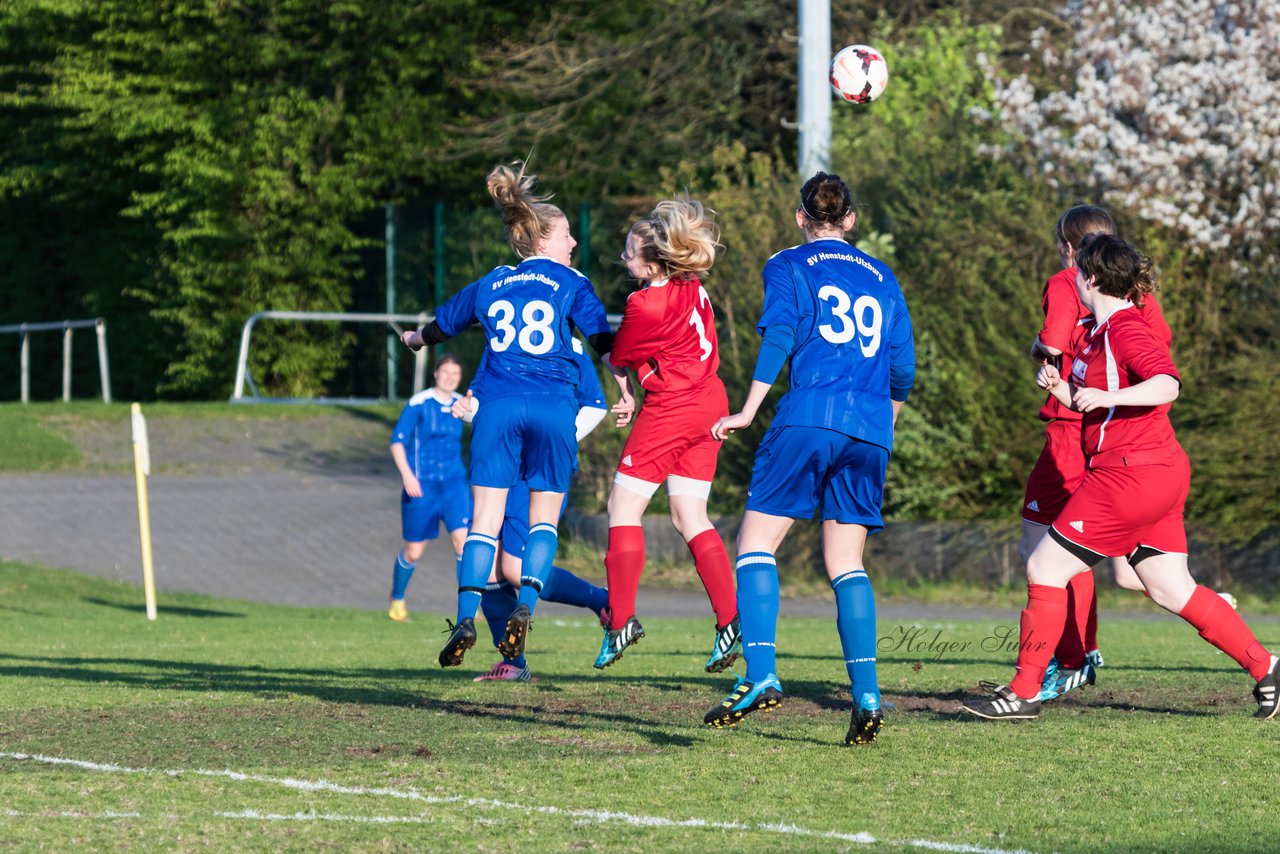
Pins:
<point x="672" y="435"/>
<point x="1056" y="474"/>
<point x="1118" y="508"/>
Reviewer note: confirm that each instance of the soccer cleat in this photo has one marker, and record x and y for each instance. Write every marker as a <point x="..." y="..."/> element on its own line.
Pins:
<point x="1094" y="657"/>
<point x="1266" y="691"/>
<point x="867" y="721"/>
<point x="462" y="637"/>
<point x="1048" y="685"/>
<point x="505" y="671"/>
<point x="398" y="611"/>
<point x="616" y="641"/>
<point x="746" y="697"/>
<point x="1069" y="680"/>
<point x="1005" y="705"/>
<point x="727" y="647"/>
<point x="518" y="625"/>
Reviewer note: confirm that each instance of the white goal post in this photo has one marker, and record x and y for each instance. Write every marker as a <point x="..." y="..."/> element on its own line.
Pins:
<point x="394" y="321"/>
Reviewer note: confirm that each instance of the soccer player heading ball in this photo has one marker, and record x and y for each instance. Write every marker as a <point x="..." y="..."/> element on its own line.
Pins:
<point x="840" y="317"/>
<point x="668" y="336"/>
<point x="1131" y="500"/>
<point x="525" y="430"/>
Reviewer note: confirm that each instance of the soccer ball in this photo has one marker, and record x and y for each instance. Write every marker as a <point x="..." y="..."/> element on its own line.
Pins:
<point x="859" y="73"/>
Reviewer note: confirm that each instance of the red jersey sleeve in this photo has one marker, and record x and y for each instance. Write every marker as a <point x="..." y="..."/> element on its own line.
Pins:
<point x="1155" y="317"/>
<point x="639" y="336"/>
<point x="1142" y="353"/>
<point x="1062" y="310"/>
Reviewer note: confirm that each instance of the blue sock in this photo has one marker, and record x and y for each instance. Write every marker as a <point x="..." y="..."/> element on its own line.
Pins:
<point x="473" y="572"/>
<point x="758" y="611"/>
<point x="856" y="619"/>
<point x="568" y="589"/>
<point x="539" y="554"/>
<point x="498" y="602"/>
<point x="400" y="576"/>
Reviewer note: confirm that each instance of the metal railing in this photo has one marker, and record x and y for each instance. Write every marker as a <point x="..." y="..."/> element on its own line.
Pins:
<point x="243" y="377"/>
<point x="65" y="327"/>
<point x="392" y="320"/>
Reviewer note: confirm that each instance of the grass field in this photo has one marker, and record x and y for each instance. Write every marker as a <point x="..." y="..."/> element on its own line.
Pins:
<point x="228" y="724"/>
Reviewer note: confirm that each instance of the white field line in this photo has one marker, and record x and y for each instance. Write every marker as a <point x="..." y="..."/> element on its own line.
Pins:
<point x="598" y="816"/>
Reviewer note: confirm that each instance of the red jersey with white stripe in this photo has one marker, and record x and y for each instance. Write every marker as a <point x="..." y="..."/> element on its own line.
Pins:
<point x="1119" y="353"/>
<point x="668" y="336"/>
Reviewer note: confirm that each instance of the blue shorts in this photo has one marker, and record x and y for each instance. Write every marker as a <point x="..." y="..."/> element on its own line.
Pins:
<point x="448" y="501"/>
<point x="800" y="469"/>
<point x="515" y="524"/>
<point x="525" y="437"/>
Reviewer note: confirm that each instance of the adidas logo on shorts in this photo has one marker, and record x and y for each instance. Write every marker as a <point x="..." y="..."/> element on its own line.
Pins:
<point x="1079" y="526"/>
<point x="626" y="461"/>
<point x="1033" y="505"/>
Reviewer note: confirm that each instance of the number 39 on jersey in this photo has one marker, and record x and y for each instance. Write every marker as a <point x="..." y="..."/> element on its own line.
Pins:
<point x="848" y="319"/>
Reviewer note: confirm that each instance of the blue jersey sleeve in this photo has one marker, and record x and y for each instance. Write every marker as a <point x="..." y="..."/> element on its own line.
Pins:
<point x="587" y="312"/>
<point x="902" y="354"/>
<point x="779" y="296"/>
<point x="406" y="424"/>
<point x="459" y="311"/>
<point x="589" y="391"/>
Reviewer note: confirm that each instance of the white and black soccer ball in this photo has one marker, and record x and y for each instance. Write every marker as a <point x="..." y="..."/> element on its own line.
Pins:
<point x="859" y="73"/>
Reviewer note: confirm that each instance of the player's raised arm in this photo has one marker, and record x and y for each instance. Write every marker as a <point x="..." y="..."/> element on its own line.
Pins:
<point x="455" y="315"/>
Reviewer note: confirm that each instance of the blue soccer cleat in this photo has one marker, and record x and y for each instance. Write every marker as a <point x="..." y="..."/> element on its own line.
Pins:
<point x="1049" y="685"/>
<point x="868" y="720"/>
<point x="746" y="697"/>
<point x="727" y="647"/>
<point x="615" y="642"/>
<point x="1069" y="680"/>
<point x="1094" y="657"/>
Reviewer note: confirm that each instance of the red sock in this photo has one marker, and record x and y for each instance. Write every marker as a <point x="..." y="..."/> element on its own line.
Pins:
<point x="623" y="562"/>
<point x="1221" y="626"/>
<point x="712" y="563"/>
<point x="1042" y="622"/>
<point x="1072" y="646"/>
<point x="1091" y="624"/>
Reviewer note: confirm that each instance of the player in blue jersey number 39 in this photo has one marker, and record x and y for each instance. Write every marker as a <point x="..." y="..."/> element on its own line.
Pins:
<point x="840" y="318"/>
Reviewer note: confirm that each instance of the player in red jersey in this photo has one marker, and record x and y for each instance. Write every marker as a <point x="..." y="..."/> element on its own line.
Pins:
<point x="668" y="337"/>
<point x="1060" y="467"/>
<point x="1135" y="486"/>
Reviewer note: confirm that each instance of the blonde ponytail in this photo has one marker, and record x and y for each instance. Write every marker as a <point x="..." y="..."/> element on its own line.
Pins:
<point x="526" y="216"/>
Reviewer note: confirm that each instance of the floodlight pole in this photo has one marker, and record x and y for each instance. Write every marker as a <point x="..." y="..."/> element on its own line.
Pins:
<point x="815" y="90"/>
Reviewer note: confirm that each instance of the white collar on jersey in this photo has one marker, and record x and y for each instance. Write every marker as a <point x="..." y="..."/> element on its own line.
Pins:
<point x="661" y="283"/>
<point x="452" y="396"/>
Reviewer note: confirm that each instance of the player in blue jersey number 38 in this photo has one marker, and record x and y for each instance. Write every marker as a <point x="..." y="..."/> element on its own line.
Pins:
<point x="525" y="429"/>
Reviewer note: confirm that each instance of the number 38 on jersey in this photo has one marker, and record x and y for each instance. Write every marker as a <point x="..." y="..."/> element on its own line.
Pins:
<point x="533" y="331"/>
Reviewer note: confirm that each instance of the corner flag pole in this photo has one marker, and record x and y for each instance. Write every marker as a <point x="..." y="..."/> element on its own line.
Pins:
<point x="142" y="469"/>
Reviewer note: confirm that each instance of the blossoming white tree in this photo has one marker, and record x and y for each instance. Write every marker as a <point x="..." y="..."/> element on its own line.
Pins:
<point x="1169" y="109"/>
